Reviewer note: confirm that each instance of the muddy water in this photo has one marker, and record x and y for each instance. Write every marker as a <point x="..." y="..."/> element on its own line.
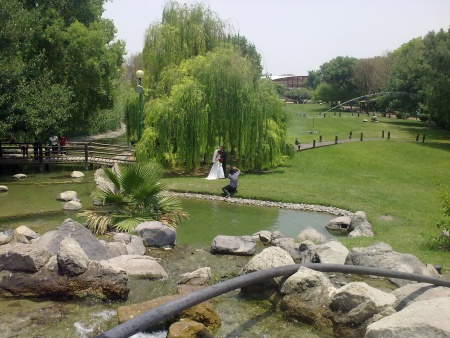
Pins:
<point x="32" y="202"/>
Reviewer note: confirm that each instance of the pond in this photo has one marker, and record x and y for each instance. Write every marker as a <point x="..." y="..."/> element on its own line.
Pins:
<point x="32" y="202"/>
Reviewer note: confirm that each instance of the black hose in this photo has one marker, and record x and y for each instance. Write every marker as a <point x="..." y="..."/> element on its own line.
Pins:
<point x="152" y="317"/>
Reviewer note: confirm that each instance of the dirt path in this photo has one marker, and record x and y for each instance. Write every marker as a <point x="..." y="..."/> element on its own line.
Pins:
<point x="108" y="134"/>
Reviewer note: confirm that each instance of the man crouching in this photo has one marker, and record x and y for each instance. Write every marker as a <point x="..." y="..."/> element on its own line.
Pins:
<point x="231" y="188"/>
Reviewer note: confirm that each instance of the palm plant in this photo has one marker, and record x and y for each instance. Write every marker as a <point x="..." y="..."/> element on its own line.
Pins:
<point x="134" y="194"/>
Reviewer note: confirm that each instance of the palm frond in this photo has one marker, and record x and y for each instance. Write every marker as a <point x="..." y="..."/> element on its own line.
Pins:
<point x="97" y="222"/>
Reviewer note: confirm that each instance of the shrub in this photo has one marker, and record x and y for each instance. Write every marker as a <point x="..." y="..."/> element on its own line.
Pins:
<point x="443" y="240"/>
<point x="424" y="117"/>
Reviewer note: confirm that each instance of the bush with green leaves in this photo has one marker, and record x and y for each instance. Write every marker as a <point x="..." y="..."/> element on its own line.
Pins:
<point x="133" y="194"/>
<point x="443" y="241"/>
<point x="424" y="117"/>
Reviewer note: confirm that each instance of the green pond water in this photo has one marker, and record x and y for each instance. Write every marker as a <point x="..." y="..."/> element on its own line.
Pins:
<point x="32" y="202"/>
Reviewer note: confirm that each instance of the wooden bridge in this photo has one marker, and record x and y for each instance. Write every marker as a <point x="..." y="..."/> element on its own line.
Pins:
<point x="87" y="153"/>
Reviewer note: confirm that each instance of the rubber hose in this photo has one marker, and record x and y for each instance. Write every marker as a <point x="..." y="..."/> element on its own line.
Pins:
<point x="152" y="317"/>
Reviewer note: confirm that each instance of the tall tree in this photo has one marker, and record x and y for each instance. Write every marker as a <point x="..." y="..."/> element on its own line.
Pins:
<point x="338" y="73"/>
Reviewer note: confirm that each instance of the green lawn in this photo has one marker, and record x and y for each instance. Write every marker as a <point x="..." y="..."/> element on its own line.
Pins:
<point x="389" y="177"/>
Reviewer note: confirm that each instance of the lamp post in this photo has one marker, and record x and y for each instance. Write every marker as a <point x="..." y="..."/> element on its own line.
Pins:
<point x="140" y="90"/>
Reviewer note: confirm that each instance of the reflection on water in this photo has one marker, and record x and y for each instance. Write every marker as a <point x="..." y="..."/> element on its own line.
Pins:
<point x="32" y="202"/>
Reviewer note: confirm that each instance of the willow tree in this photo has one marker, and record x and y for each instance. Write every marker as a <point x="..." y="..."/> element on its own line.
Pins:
<point x="207" y="90"/>
<point x="209" y="100"/>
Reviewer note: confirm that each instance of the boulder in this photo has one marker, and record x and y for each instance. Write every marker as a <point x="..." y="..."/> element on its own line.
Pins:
<point x="268" y="258"/>
<point x="360" y="226"/>
<point x="339" y="225"/>
<point x="264" y="236"/>
<point x="115" y="249"/>
<point x="233" y="245"/>
<point x="135" y="246"/>
<point x="139" y="266"/>
<point x="311" y="234"/>
<point x="3" y="188"/>
<point x="72" y="205"/>
<point x="77" y="174"/>
<point x="122" y="237"/>
<point x="72" y="260"/>
<point x="201" y="276"/>
<point x="188" y="329"/>
<point x="289" y="246"/>
<point x="20" y="176"/>
<point x="69" y="228"/>
<point x="4" y="239"/>
<point x="411" y="293"/>
<point x="67" y="196"/>
<point x="100" y="280"/>
<point x="356" y="305"/>
<point x="331" y="252"/>
<point x="306" y="296"/>
<point x="381" y="255"/>
<point x="426" y="318"/>
<point x="23" y="234"/>
<point x="23" y="257"/>
<point x="156" y="234"/>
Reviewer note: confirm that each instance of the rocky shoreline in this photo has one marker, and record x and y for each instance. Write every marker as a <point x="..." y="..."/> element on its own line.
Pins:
<point x="259" y="203"/>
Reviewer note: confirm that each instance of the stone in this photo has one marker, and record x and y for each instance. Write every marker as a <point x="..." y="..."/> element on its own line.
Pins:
<point x="122" y="237"/>
<point x="289" y="246"/>
<point x="426" y="318"/>
<point x="311" y="234"/>
<point x="4" y="239"/>
<point x="115" y="249"/>
<point x="93" y="248"/>
<point x="139" y="266"/>
<point x="72" y="260"/>
<point x="264" y="236"/>
<point x="77" y="174"/>
<point x="20" y="176"/>
<point x="331" y="252"/>
<point x="360" y="226"/>
<point x="339" y="225"/>
<point x="233" y="245"/>
<point x="306" y="296"/>
<point x="156" y="234"/>
<point x="135" y="246"/>
<point x="268" y="258"/>
<point x="188" y="329"/>
<point x="3" y="188"/>
<point x="381" y="255"/>
<point x="23" y="234"/>
<point x="201" y="276"/>
<point x="411" y="293"/>
<point x="68" y="196"/>
<point x="23" y="257"/>
<point x="72" y="205"/>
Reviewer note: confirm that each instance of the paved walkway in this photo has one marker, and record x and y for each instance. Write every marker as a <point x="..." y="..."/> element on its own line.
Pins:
<point x="306" y="146"/>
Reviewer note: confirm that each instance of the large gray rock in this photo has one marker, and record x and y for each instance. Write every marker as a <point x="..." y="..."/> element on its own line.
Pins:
<point x="135" y="246"/>
<point x="72" y="205"/>
<point x="72" y="260"/>
<point x="66" y="196"/>
<point x="410" y="293"/>
<point x="3" y="188"/>
<point x="268" y="258"/>
<point x="77" y="174"/>
<point x="115" y="249"/>
<point x="233" y="245"/>
<point x="356" y="305"/>
<point x="331" y="252"/>
<point x="101" y="280"/>
<point x="423" y="319"/>
<point x="339" y="225"/>
<point x="69" y="228"/>
<point x="201" y="276"/>
<point x="307" y="294"/>
<point x="156" y="234"/>
<point x="360" y="226"/>
<point x="381" y="255"/>
<point x="23" y="257"/>
<point x="139" y="266"/>
<point x="311" y="234"/>
<point x="23" y="234"/>
<point x="289" y="245"/>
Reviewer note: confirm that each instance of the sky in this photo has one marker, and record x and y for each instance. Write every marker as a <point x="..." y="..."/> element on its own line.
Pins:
<point x="296" y="36"/>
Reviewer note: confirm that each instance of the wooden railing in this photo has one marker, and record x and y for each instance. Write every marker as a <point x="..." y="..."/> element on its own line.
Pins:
<point x="76" y="152"/>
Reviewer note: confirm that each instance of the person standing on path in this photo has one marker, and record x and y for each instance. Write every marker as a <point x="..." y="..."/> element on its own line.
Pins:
<point x="231" y="188"/>
<point x="223" y="159"/>
<point x="54" y="142"/>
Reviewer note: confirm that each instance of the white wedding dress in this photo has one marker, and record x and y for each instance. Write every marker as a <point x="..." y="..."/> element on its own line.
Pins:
<point x="216" y="169"/>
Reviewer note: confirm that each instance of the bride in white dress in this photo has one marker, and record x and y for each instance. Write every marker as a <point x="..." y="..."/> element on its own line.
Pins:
<point x="216" y="169"/>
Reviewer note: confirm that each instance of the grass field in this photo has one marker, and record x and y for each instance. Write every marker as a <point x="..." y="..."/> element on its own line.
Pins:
<point x="380" y="177"/>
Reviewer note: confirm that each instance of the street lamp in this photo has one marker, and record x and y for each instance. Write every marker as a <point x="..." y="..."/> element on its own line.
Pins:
<point x="140" y="90"/>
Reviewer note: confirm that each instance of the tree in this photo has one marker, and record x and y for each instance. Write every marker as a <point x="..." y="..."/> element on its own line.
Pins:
<point x="207" y="90"/>
<point x="65" y="52"/>
<point x="313" y="80"/>
<point x="437" y="88"/>
<point x="338" y="73"/>
<point x="133" y="194"/>
<point x="298" y="94"/>
<point x="370" y="75"/>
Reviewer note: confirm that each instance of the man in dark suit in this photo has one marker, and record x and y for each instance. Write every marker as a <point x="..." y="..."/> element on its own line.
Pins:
<point x="223" y="160"/>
